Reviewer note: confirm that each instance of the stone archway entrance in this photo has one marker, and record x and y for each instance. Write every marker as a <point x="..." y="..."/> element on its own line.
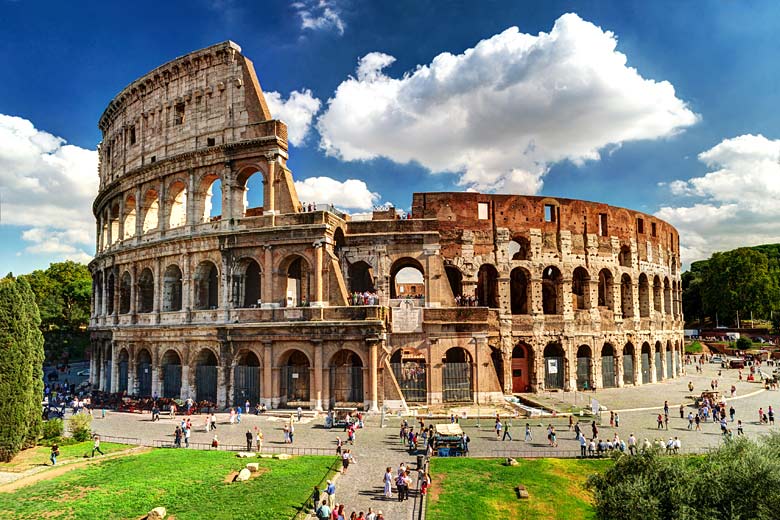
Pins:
<point x="411" y="373"/>
<point x="521" y="380"/>
<point x="206" y="377"/>
<point x="457" y="376"/>
<point x="346" y="379"/>
<point x="144" y="373"/>
<point x="246" y="379"/>
<point x="171" y="372"/>
<point x="553" y="366"/>
<point x="294" y="380"/>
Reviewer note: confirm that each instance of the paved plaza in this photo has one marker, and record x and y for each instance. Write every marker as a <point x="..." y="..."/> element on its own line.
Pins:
<point x="377" y="447"/>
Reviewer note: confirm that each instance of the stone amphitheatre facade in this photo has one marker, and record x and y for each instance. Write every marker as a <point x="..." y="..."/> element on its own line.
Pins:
<point x="256" y="302"/>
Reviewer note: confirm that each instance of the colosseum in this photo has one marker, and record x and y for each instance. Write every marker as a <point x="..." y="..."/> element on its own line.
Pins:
<point x="213" y="281"/>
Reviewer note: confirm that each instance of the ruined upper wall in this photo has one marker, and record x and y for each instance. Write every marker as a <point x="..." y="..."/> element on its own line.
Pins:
<point x="209" y="97"/>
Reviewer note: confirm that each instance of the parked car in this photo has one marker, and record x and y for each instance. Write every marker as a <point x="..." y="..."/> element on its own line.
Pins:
<point x="83" y="373"/>
<point x="716" y="359"/>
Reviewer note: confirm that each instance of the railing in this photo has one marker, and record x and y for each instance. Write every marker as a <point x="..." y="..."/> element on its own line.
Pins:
<point x="206" y="446"/>
<point x="554" y="453"/>
<point x="418" y="506"/>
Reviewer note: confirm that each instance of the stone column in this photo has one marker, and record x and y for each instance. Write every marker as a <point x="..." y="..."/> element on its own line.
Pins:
<point x="373" y="348"/>
<point x="268" y="276"/>
<point x="139" y="222"/>
<point x="162" y="217"/>
<point x="637" y="365"/>
<point x="317" y="401"/>
<point x="653" y="372"/>
<point x="155" y="377"/>
<point x="109" y="233"/>
<point x="122" y="218"/>
<point x="192" y="219"/>
<point x="317" y="300"/>
<point x="535" y="308"/>
<point x="269" y="197"/>
<point x="114" y="367"/>
<point x="223" y="379"/>
<point x="267" y="390"/>
<point x="618" y="359"/>
<point x="104" y="292"/>
<point x="131" y="371"/>
<point x="663" y="362"/>
<point x="480" y="343"/>
<point x="186" y="390"/>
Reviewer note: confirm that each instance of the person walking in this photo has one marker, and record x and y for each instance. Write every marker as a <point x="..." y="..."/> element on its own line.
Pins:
<point x="732" y="413"/>
<point x="55" y="452"/>
<point x="213" y="421"/>
<point x="300" y="413"/>
<point x="96" y="446"/>
<point x="594" y="429"/>
<point x="331" y="491"/>
<point x="387" y="480"/>
<point x="187" y="431"/>
<point x="249" y="439"/>
<point x="528" y="436"/>
<point x="498" y="428"/>
<point x="740" y="431"/>
<point x="506" y="431"/>
<point x="660" y="420"/>
<point x="583" y="445"/>
<point x="617" y="420"/>
<point x="177" y="437"/>
<point x="632" y="444"/>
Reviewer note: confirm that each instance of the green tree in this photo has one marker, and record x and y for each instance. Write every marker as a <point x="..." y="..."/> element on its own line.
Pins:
<point x="21" y="367"/>
<point x="63" y="293"/>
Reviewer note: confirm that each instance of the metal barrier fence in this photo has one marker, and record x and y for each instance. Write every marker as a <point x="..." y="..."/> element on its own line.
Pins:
<point x="169" y="443"/>
<point x="575" y="454"/>
<point x="418" y="505"/>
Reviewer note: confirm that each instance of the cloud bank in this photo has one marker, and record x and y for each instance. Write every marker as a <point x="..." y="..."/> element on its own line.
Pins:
<point x="352" y="194"/>
<point x="502" y="112"/>
<point x="297" y="112"/>
<point x="319" y="15"/>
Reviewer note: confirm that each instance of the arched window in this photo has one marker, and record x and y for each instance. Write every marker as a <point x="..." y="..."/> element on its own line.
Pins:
<point x="253" y="188"/>
<point x="584" y="367"/>
<point x="657" y="294"/>
<point x="551" y="290"/>
<point x="172" y="289"/>
<point x="519" y="249"/>
<point x="628" y="364"/>
<point x="518" y="289"/>
<point x="298" y="283"/>
<point x="177" y="205"/>
<point x="151" y="207"/>
<point x="206" y="286"/>
<point x="579" y="289"/>
<point x="624" y="257"/>
<point x="247" y="284"/>
<point x="125" y="293"/>
<point x="211" y="193"/>
<point x="644" y="296"/>
<point x="667" y="297"/>
<point x="361" y="277"/>
<point x="146" y="291"/>
<point x="605" y="289"/>
<point x="130" y="216"/>
<point x="114" y="219"/>
<point x="455" y="278"/>
<point x="487" y="286"/>
<point x="407" y="279"/>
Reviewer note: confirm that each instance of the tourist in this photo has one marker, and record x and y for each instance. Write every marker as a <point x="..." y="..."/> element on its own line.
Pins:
<point x="498" y="428"/>
<point x="187" y="431"/>
<point x="611" y="419"/>
<point x="528" y="436"/>
<point x="323" y="512"/>
<point x="697" y="420"/>
<point x="387" y="480"/>
<point x="331" y="491"/>
<point x="594" y="430"/>
<point x="506" y="431"/>
<point x="740" y="431"/>
<point x="553" y="437"/>
<point x="315" y="496"/>
<point x="300" y="413"/>
<point x="215" y="442"/>
<point x="771" y="414"/>
<point x="660" y="420"/>
<point x="96" y="446"/>
<point x="617" y="420"/>
<point x="232" y="420"/>
<point x="177" y="437"/>
<point x="238" y="415"/>
<point x="246" y="407"/>
<point x="155" y="413"/>
<point x="583" y="445"/>
<point x="249" y="439"/>
<point x="258" y="439"/>
<point x="426" y="484"/>
<point x="370" y="515"/>
<point x="55" y="452"/>
<point x="345" y="460"/>
<point x="286" y="430"/>
<point x="213" y="421"/>
<point x="207" y="423"/>
<point x="292" y="431"/>
<point x="632" y="444"/>
<point x="571" y="422"/>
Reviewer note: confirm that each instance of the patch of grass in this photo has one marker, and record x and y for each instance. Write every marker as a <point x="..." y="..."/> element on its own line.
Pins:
<point x="188" y="483"/>
<point x="485" y="489"/>
<point x="39" y="456"/>
<point x="693" y="348"/>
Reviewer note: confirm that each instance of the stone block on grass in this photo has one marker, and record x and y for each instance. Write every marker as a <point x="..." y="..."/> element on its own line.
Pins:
<point x="243" y="475"/>
<point x="158" y="513"/>
<point x="253" y="467"/>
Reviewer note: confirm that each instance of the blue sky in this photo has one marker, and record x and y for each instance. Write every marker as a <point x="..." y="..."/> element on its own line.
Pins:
<point x="664" y="107"/>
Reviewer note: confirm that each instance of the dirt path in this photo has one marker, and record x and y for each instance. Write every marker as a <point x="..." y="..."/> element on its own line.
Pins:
<point x="31" y="476"/>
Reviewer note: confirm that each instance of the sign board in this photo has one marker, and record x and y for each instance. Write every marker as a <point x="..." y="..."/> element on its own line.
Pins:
<point x="295" y="376"/>
<point x="552" y="366"/>
<point x="293" y="314"/>
<point x="407" y="318"/>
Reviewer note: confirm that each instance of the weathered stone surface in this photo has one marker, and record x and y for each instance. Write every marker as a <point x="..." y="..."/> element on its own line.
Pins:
<point x="253" y="467"/>
<point x="158" y="513"/>
<point x="522" y="492"/>
<point x="245" y="454"/>
<point x="243" y="475"/>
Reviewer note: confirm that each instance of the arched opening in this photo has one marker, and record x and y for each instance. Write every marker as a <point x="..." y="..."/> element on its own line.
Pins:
<point x="247" y="284"/>
<point x="125" y="293"/>
<point x="624" y="256"/>
<point x="487" y="286"/>
<point x="551" y="290"/>
<point x="146" y="291"/>
<point x="124" y="363"/>
<point x="553" y="366"/>
<point x="295" y="380"/>
<point x="521" y="377"/>
<point x="114" y="220"/>
<point x="606" y="287"/>
<point x="206" y="376"/>
<point x="608" y="375"/>
<point x="177" y="201"/>
<point x="644" y="296"/>
<point x="297" y="289"/>
<point x="579" y="289"/>
<point x="584" y="367"/>
<point x="518" y="289"/>
<point x="657" y="295"/>
<point x="211" y="189"/>
<point x="130" y="217"/>
<point x="151" y="207"/>
<point x="171" y="374"/>
<point x="455" y="278"/>
<point x="143" y="374"/>
<point x="97" y="282"/>
<point x="646" y="354"/>
<point x="172" y="288"/>
<point x="252" y="183"/>
<point x="206" y="286"/>
<point x="110" y="293"/>
<point x="667" y="297"/>
<point x="407" y="279"/>
<point x="346" y="379"/>
<point x="361" y="277"/>
<point x="626" y="297"/>
<point x="338" y="242"/>
<point x="628" y="364"/>
<point x="498" y="365"/>
<point x="246" y="379"/>
<point x="669" y="360"/>
<point x="519" y="249"/>
<point x="456" y="375"/>
<point x="410" y="371"/>
<point x="659" y="369"/>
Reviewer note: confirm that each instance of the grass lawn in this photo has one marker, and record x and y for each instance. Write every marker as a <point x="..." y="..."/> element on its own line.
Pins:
<point x="484" y="489"/>
<point x="39" y="456"/>
<point x="190" y="484"/>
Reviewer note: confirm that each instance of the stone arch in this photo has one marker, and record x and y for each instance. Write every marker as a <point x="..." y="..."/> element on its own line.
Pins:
<point x="659" y="367"/>
<point x="251" y="184"/>
<point x="487" y="286"/>
<point x="114" y="216"/>
<point x="521" y="363"/>
<point x="339" y="241"/>
<point x="209" y="199"/>
<point x="646" y="363"/>
<point x="404" y="282"/>
<point x="346" y="377"/>
<point x="455" y="278"/>
<point x="554" y="366"/>
<point x="172" y="288"/>
<point x="411" y="372"/>
<point x="206" y="375"/>
<point x="124" y="366"/>
<point x="177" y="204"/>
<point x="296" y="280"/>
<point x="110" y="287"/>
<point x="519" y="283"/>
<point x="626" y="296"/>
<point x="151" y="208"/>
<point x="552" y="290"/>
<point x="657" y="294"/>
<point x="97" y="283"/>
<point x="628" y="364"/>
<point x="125" y="292"/>
<point x="146" y="291"/>
<point x="206" y="285"/>
<point x="608" y="372"/>
<point x="624" y="256"/>
<point x="143" y="364"/>
<point x="361" y="277"/>
<point x="247" y="378"/>
<point x="130" y="217"/>
<point x="644" y="296"/>
<point x="170" y="365"/>
<point x="247" y="283"/>
<point x="457" y="375"/>
<point x="606" y="288"/>
<point x="580" y="283"/>
<point x="584" y="367"/>
<point x="294" y="388"/>
<point x="667" y="297"/>
<point x="519" y="249"/>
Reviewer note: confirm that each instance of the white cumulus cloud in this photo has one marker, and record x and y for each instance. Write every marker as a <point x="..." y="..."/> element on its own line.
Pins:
<point x="47" y="187"/>
<point x="297" y="112"/>
<point x="735" y="203"/>
<point x="350" y="194"/>
<point x="320" y="15"/>
<point x="503" y="111"/>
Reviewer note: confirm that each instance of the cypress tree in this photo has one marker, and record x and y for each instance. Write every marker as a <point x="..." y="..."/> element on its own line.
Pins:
<point x="21" y="367"/>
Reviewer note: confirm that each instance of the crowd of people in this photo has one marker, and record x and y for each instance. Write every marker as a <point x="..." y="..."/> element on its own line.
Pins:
<point x="364" y="298"/>
<point x="466" y="301"/>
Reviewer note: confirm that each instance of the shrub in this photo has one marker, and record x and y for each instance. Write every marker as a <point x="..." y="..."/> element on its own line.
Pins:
<point x="53" y="428"/>
<point x="80" y="426"/>
<point x="693" y="348"/>
<point x="744" y="343"/>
